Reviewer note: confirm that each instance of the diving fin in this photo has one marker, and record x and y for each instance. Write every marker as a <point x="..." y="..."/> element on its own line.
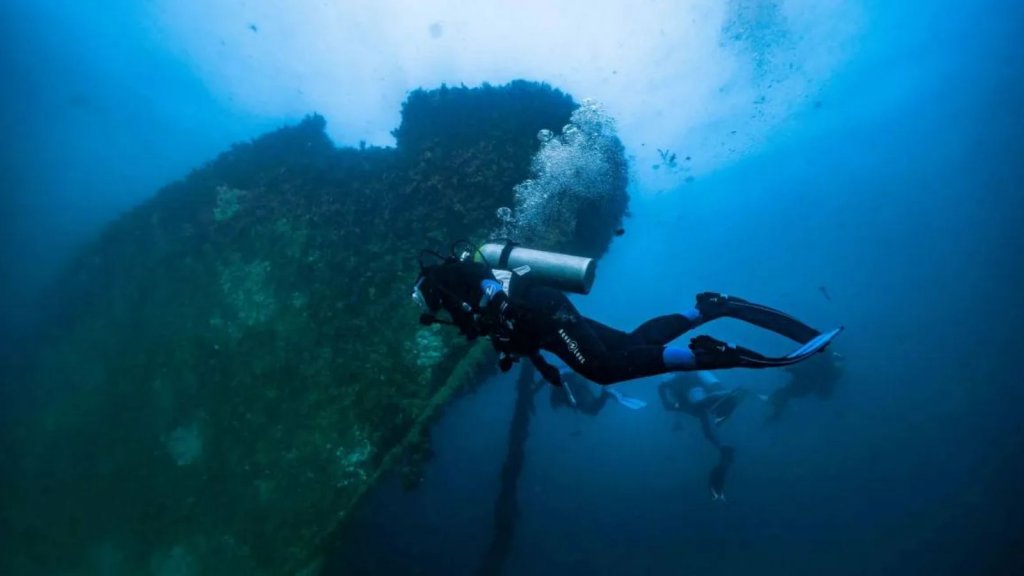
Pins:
<point x="628" y="402"/>
<point x="813" y="346"/>
<point x="712" y="353"/>
<point x="714" y="305"/>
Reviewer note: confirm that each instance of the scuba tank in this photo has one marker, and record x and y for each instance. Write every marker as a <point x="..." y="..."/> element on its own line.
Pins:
<point x="560" y="271"/>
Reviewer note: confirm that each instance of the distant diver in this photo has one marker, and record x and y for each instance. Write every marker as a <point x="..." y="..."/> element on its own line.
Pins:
<point x="817" y="377"/>
<point x="702" y="396"/>
<point x="514" y="296"/>
<point x="668" y="157"/>
<point x="587" y="398"/>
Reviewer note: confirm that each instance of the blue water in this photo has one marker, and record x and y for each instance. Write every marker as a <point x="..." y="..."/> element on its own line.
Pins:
<point x="901" y="193"/>
<point x="96" y="117"/>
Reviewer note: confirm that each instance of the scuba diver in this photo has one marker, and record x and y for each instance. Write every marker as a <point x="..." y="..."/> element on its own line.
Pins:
<point x="515" y="297"/>
<point x="575" y="392"/>
<point x="703" y="397"/>
<point x="817" y="376"/>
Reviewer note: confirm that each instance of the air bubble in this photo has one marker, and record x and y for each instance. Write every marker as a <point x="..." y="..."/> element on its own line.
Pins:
<point x="581" y="165"/>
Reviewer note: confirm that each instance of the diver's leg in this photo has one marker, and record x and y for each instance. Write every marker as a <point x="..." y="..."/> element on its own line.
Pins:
<point x="607" y="356"/>
<point x="704" y="353"/>
<point x="582" y="343"/>
<point x="716" y="479"/>
<point x="712" y="354"/>
<point x="598" y="352"/>
<point x="707" y="353"/>
<point x="602" y="354"/>
<point x="611" y="338"/>
<point x="707" y="425"/>
<point x="712" y="305"/>
<point x="664" y="329"/>
<point x="587" y="356"/>
<point x="725" y="404"/>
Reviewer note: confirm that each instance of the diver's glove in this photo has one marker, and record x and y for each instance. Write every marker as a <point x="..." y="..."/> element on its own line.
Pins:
<point x="505" y="361"/>
<point x="492" y="314"/>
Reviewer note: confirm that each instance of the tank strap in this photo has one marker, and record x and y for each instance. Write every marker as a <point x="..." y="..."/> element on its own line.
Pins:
<point x="505" y="252"/>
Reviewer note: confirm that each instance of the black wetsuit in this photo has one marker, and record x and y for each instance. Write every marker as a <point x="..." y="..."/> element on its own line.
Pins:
<point x="530" y="317"/>
<point x="547" y="320"/>
<point x="540" y="318"/>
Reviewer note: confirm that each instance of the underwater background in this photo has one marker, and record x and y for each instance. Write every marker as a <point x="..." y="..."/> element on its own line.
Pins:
<point x="219" y="371"/>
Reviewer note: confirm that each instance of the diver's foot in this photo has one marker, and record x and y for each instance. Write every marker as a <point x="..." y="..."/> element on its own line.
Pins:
<point x="712" y="305"/>
<point x="715" y="305"/>
<point x="712" y="354"/>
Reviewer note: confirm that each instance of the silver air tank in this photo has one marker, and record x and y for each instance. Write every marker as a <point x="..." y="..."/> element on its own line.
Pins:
<point x="561" y="271"/>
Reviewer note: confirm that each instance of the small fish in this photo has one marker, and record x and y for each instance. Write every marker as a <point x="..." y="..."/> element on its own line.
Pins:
<point x="824" y="292"/>
<point x="620" y="231"/>
<point x="253" y="28"/>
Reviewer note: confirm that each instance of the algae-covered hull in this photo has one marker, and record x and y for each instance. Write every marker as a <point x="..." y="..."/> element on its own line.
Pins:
<point x="231" y="365"/>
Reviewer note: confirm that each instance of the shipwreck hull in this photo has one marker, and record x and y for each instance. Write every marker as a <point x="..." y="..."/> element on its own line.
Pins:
<point x="229" y="367"/>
